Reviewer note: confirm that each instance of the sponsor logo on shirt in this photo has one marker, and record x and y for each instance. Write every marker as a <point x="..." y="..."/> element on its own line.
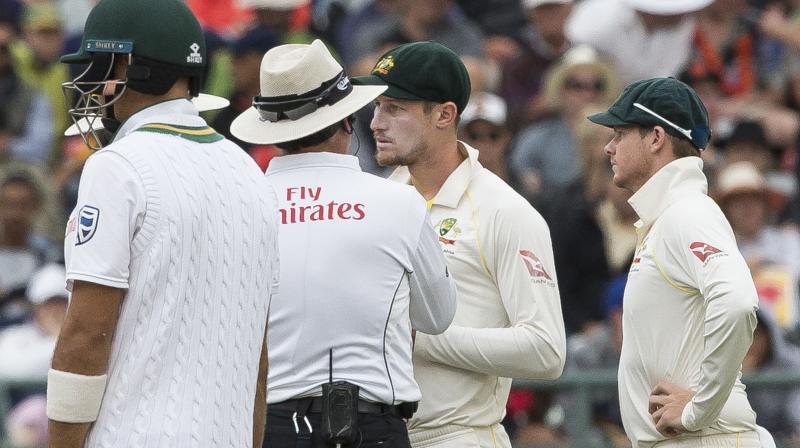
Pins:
<point x="317" y="209"/>
<point x="637" y="257"/>
<point x="704" y="251"/>
<point x="88" y="217"/>
<point x="71" y="226"/>
<point x="448" y="231"/>
<point x="535" y="266"/>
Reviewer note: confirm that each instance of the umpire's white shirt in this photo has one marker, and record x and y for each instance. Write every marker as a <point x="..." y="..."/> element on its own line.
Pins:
<point x="184" y="221"/>
<point x="360" y="266"/>
<point x="688" y="310"/>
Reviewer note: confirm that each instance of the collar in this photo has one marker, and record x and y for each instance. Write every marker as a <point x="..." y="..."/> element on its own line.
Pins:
<point x="672" y="182"/>
<point x="455" y="185"/>
<point x="309" y="159"/>
<point x="178" y="111"/>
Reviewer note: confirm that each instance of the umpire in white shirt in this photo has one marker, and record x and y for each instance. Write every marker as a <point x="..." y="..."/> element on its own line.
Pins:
<point x="360" y="265"/>
<point x="689" y="305"/>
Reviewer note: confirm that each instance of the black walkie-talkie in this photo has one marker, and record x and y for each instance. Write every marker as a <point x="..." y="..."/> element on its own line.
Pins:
<point x="339" y="410"/>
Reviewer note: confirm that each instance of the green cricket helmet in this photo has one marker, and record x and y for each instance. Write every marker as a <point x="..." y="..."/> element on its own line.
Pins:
<point x="161" y="40"/>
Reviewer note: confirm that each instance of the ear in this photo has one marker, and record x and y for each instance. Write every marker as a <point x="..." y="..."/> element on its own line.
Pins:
<point x="446" y="115"/>
<point x="658" y="139"/>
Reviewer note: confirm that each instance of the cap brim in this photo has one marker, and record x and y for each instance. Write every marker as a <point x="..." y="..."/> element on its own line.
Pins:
<point x="203" y="102"/>
<point x="668" y="8"/>
<point x="392" y="92"/>
<point x="249" y="127"/>
<point x="607" y="119"/>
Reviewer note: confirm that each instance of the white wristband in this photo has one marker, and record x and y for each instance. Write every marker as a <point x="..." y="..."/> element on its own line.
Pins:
<point x="74" y="398"/>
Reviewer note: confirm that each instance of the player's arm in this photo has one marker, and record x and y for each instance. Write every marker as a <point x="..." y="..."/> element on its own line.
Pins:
<point x="105" y="227"/>
<point x="534" y="343"/>
<point x="80" y="361"/>
<point x="730" y="298"/>
<point x="432" y="289"/>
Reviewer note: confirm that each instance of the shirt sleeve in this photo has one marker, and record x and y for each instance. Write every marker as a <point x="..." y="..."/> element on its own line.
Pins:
<point x="432" y="289"/>
<point x="703" y="251"/>
<point x="534" y="344"/>
<point x="110" y="210"/>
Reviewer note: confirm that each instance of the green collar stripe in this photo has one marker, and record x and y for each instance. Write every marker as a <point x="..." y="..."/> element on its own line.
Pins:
<point x="201" y="134"/>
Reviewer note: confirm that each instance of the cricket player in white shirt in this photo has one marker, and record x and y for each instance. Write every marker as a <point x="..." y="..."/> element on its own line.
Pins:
<point x="689" y="305"/>
<point x="509" y="322"/>
<point x="171" y="251"/>
<point x="360" y="264"/>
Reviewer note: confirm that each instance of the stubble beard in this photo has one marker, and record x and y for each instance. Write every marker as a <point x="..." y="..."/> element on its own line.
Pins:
<point x="412" y="156"/>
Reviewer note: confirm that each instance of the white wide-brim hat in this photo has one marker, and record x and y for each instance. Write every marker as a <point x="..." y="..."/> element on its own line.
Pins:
<point x="48" y="282"/>
<point x="667" y="7"/>
<point x="280" y="5"/>
<point x="295" y="72"/>
<point x="203" y="102"/>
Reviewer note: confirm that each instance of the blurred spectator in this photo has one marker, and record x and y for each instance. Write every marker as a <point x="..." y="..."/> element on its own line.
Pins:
<point x="22" y="250"/>
<point x="772" y="253"/>
<point x="288" y="20"/>
<point x="747" y="142"/>
<point x="725" y="48"/>
<point x="599" y="348"/>
<point x="642" y="38"/>
<point x="367" y="19"/>
<point x="247" y="54"/>
<point x="223" y="17"/>
<point x="14" y="308"/>
<point x="528" y="419"/>
<point x="26" y="424"/>
<point x="439" y="20"/>
<point x="777" y="410"/>
<point x="483" y="126"/>
<point x="74" y="14"/>
<point x="36" y="59"/>
<point x="616" y="219"/>
<point x="26" y="131"/>
<point x="545" y="159"/>
<point x="543" y="43"/>
<point x="10" y="12"/>
<point x="27" y="349"/>
<point x="495" y="17"/>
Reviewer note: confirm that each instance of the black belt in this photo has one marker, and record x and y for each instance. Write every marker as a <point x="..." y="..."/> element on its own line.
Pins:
<point x="364" y="407"/>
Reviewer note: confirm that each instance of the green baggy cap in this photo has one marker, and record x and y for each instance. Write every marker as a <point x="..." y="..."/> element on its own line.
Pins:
<point x="665" y="102"/>
<point x="421" y="71"/>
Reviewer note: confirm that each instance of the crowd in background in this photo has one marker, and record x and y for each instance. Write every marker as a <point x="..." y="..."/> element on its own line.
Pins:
<point x="538" y="68"/>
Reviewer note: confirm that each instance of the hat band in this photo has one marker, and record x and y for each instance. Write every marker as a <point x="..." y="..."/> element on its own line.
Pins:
<point x="293" y="107"/>
<point x="698" y="136"/>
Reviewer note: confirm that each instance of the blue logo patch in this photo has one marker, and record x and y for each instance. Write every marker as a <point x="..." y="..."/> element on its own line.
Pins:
<point x="87" y="223"/>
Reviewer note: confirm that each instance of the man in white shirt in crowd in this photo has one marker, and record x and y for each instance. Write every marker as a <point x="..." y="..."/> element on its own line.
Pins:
<point x="509" y="322"/>
<point x="360" y="264"/>
<point x="26" y="349"/>
<point x="171" y="251"/>
<point x="689" y="304"/>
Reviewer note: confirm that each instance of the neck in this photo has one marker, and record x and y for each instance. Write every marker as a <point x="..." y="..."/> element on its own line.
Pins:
<point x="132" y="101"/>
<point x="429" y="173"/>
<point x="339" y="143"/>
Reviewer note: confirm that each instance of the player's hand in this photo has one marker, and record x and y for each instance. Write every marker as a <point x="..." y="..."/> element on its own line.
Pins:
<point x="667" y="401"/>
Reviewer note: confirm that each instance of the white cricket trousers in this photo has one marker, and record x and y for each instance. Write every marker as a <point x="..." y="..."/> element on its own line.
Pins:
<point x="454" y="436"/>
<point x="750" y="439"/>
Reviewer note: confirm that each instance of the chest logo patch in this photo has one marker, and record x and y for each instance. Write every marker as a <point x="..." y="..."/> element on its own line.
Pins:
<point x="88" y="217"/>
<point x="703" y="250"/>
<point x="448" y="231"/>
<point x="534" y="265"/>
